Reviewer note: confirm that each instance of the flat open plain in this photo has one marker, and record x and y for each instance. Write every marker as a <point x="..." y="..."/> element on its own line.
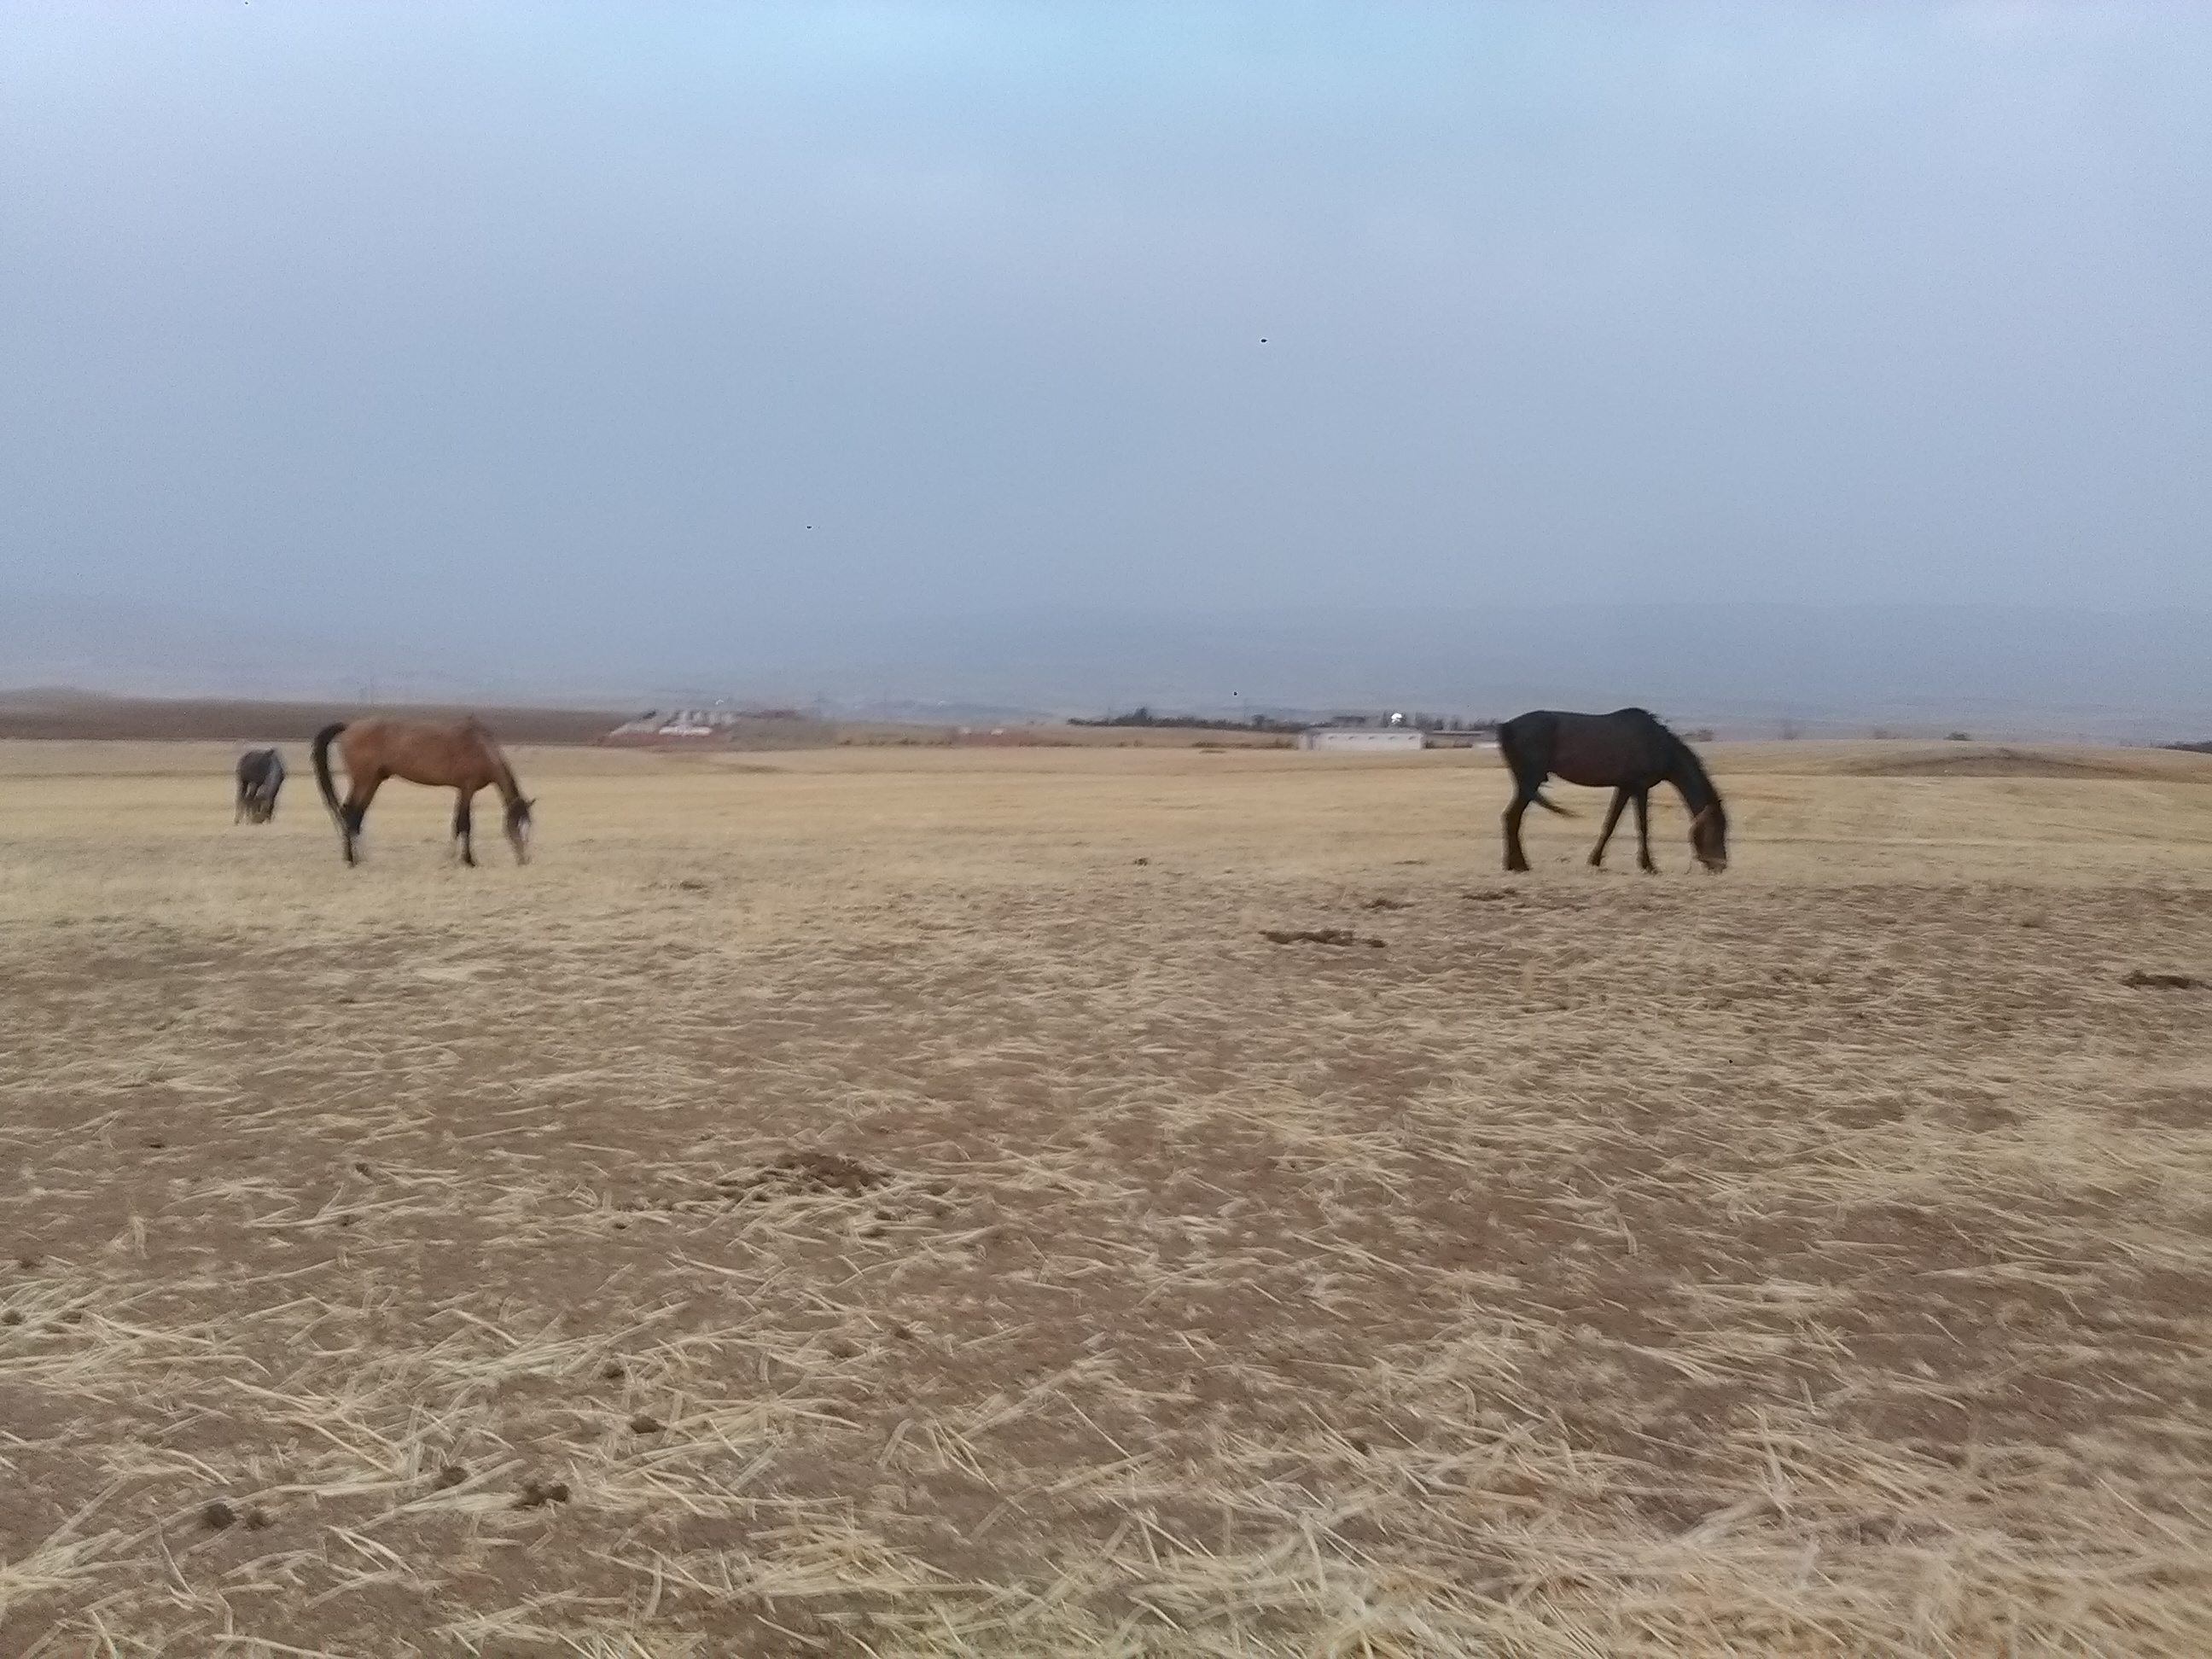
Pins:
<point x="898" y="1201"/>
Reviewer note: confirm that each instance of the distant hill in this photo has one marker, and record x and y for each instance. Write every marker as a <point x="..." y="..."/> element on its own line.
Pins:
<point x="51" y="715"/>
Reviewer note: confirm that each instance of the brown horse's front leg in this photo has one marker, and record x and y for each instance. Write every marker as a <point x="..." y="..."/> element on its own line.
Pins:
<point x="461" y="828"/>
<point x="1612" y="818"/>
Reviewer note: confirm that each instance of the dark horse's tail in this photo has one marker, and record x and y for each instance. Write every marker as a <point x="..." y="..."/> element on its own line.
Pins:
<point x="322" y="752"/>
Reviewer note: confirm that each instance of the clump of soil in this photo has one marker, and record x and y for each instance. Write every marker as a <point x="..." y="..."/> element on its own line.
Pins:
<point x="2141" y="981"/>
<point x="217" y="1516"/>
<point x="807" y="1172"/>
<point x="1316" y="936"/>
<point x="1387" y="905"/>
<point x="537" y="1494"/>
<point x="645" y="1423"/>
<point x="451" y="1475"/>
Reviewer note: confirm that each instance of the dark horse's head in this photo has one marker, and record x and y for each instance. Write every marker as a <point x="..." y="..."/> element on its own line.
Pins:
<point x="1709" y="836"/>
<point x="518" y="828"/>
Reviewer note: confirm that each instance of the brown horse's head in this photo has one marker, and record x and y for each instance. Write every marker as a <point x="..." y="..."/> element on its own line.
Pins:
<point x="518" y="828"/>
<point x="1709" y="838"/>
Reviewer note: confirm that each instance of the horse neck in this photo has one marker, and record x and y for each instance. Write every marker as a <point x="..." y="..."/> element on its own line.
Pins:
<point x="1687" y="774"/>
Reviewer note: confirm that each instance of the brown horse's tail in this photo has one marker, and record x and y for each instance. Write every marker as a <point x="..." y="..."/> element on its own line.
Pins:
<point x="322" y="753"/>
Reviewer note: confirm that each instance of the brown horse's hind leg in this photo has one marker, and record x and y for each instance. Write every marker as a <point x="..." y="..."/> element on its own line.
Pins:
<point x="359" y="793"/>
<point x="1644" y="833"/>
<point x="1612" y="818"/>
<point x="461" y="828"/>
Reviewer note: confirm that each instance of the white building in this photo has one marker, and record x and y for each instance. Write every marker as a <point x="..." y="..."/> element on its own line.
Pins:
<point x="1363" y="739"/>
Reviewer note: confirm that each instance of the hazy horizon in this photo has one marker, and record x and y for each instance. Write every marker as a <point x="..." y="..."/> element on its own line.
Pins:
<point x="574" y="342"/>
<point x="2008" y="671"/>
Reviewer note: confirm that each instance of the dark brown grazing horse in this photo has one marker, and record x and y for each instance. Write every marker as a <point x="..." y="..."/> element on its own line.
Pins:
<point x="1627" y="751"/>
<point x="459" y="756"/>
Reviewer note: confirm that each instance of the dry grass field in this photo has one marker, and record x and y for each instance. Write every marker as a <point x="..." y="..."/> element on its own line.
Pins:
<point x="878" y="1202"/>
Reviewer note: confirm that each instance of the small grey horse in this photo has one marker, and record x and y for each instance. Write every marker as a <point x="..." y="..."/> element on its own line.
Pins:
<point x="260" y="775"/>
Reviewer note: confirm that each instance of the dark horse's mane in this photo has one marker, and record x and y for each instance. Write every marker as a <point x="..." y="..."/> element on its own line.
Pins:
<point x="1690" y="774"/>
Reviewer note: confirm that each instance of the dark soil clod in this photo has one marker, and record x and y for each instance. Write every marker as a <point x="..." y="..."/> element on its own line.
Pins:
<point x="2141" y="980"/>
<point x="804" y="1172"/>
<point x="643" y="1423"/>
<point x="537" y="1494"/>
<point x="217" y="1516"/>
<point x="1387" y="905"/>
<point x="1143" y="861"/>
<point x="451" y="1475"/>
<point x="13" y="1316"/>
<point x="1316" y="936"/>
<point x="155" y="1145"/>
<point x="692" y="884"/>
<point x="614" y="1373"/>
<point x="258" y="1518"/>
<point x="26" y="1263"/>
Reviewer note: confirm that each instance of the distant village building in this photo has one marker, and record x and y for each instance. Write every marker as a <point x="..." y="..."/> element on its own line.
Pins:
<point x="1363" y="739"/>
<point x="675" y="726"/>
<point x="720" y="727"/>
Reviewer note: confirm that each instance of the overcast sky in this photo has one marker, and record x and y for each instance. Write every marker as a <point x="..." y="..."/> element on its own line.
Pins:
<point x="589" y="312"/>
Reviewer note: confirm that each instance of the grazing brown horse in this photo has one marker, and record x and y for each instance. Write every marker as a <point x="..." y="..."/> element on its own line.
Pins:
<point x="1627" y="751"/>
<point x="458" y="755"/>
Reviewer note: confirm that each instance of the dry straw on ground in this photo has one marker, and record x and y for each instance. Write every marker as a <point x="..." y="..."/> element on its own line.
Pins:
<point x="903" y="1204"/>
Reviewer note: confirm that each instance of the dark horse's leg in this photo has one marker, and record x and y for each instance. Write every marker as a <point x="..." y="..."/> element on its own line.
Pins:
<point x="461" y="827"/>
<point x="359" y="793"/>
<point x="1612" y="818"/>
<point x="1526" y="750"/>
<point x="1644" y="833"/>
<point x="1515" y="860"/>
